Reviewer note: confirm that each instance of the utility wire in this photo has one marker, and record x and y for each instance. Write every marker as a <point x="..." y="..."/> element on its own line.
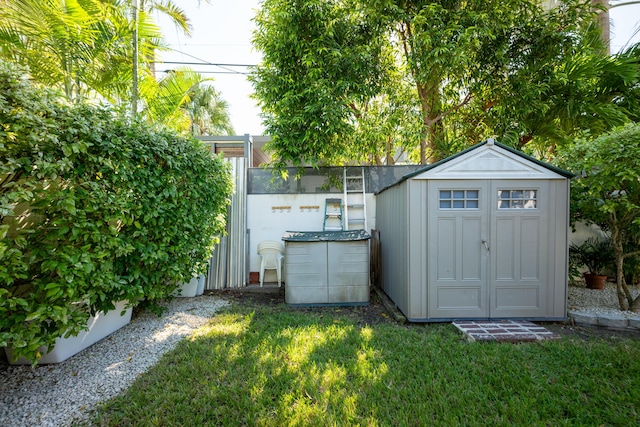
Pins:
<point x="214" y="72"/>
<point x="204" y="62"/>
<point x="201" y="63"/>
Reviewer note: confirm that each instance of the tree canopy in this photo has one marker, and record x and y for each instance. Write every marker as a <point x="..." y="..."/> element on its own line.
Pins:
<point x="471" y="70"/>
<point x="80" y="46"/>
<point x="320" y="57"/>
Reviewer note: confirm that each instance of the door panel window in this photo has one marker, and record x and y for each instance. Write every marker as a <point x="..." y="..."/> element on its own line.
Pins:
<point x="459" y="199"/>
<point x="517" y="199"/>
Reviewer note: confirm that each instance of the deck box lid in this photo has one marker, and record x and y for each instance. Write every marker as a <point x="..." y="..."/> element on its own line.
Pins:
<point x="325" y="236"/>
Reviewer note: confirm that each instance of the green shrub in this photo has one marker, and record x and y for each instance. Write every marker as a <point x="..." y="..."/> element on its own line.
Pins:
<point x="94" y="210"/>
<point x="606" y="192"/>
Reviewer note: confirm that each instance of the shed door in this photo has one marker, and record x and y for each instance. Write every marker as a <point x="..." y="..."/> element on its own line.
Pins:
<point x="487" y="240"/>
<point x="519" y="217"/>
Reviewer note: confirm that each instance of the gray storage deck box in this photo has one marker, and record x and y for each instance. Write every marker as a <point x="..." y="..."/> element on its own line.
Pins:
<point x="326" y="267"/>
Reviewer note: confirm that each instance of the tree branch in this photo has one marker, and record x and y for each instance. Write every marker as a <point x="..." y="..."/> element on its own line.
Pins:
<point x="453" y="109"/>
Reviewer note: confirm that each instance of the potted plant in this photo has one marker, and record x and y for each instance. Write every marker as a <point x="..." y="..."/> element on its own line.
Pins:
<point x="594" y="254"/>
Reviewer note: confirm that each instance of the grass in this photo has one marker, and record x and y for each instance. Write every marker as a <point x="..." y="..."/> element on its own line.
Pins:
<point x="276" y="366"/>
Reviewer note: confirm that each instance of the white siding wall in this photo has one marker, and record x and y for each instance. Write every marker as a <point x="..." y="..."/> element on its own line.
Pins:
<point x="270" y="215"/>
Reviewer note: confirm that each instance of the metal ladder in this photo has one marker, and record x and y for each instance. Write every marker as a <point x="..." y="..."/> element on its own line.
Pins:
<point x="333" y="219"/>
<point x="355" y="201"/>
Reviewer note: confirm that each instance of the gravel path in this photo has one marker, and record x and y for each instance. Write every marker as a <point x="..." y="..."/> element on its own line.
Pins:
<point x="598" y="301"/>
<point x="57" y="395"/>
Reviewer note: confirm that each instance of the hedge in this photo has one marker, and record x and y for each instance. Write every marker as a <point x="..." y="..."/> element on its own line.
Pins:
<point x="94" y="209"/>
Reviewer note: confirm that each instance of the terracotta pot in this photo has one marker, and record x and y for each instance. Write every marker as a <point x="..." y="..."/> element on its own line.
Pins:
<point x="595" y="281"/>
<point x="254" y="277"/>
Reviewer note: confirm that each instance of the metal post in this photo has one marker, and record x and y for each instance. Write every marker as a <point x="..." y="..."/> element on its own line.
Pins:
<point x="134" y="88"/>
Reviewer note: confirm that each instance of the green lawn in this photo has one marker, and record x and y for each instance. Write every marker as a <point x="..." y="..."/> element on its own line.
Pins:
<point x="277" y="366"/>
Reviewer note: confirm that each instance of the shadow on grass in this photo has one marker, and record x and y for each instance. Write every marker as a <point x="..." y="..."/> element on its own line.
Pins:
<point x="274" y="366"/>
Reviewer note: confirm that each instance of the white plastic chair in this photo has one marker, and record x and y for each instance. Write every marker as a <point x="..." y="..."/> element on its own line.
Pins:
<point x="271" y="254"/>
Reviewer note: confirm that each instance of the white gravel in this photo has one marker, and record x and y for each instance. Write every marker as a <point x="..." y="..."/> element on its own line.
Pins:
<point x="598" y="301"/>
<point x="57" y="395"/>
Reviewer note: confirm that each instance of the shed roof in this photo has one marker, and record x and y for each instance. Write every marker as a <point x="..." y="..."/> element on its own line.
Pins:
<point x="523" y="159"/>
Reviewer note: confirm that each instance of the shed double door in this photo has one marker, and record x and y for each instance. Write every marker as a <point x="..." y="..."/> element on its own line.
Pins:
<point x="487" y="243"/>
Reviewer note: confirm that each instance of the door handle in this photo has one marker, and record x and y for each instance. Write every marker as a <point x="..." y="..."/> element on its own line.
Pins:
<point x="485" y="243"/>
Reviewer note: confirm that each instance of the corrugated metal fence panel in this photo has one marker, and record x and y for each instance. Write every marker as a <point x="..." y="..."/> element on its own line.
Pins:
<point x="228" y="267"/>
<point x="217" y="277"/>
<point x="238" y="231"/>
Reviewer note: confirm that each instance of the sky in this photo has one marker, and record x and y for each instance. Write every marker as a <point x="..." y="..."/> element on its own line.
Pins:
<point x="625" y="24"/>
<point x="222" y="32"/>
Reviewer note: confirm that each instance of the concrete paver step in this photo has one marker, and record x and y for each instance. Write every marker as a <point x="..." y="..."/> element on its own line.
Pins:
<point x="503" y="330"/>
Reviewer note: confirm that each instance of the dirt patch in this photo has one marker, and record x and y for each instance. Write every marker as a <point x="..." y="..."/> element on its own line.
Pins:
<point x="373" y="313"/>
<point x="376" y="312"/>
<point x="587" y="332"/>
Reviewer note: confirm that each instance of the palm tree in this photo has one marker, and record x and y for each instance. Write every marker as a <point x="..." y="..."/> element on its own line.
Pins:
<point x="208" y="112"/>
<point x="163" y="99"/>
<point x="76" y="45"/>
<point x="183" y="101"/>
<point x="84" y="47"/>
<point x="170" y="9"/>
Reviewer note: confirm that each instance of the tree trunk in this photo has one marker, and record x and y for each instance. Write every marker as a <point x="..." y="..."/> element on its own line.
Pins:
<point x="390" y="160"/>
<point x="622" y="300"/>
<point x="523" y="140"/>
<point x="625" y="299"/>
<point x="425" y="107"/>
<point x="430" y="100"/>
<point x="431" y="115"/>
<point x="423" y="149"/>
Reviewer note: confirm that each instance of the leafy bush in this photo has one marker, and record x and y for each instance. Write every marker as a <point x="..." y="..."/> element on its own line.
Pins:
<point x="94" y="210"/>
<point x="606" y="192"/>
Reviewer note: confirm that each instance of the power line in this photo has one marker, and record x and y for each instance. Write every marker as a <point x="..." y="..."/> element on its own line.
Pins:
<point x="212" y="44"/>
<point x="207" y="63"/>
<point x="213" y="72"/>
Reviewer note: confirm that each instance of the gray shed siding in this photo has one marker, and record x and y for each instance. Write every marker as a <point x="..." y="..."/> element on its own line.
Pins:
<point x="558" y="296"/>
<point x="391" y="221"/>
<point x="418" y="253"/>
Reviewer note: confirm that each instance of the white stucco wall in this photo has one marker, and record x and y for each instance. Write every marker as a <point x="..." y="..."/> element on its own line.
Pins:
<point x="583" y="232"/>
<point x="270" y="215"/>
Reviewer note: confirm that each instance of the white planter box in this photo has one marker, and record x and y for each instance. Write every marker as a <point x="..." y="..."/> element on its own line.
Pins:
<point x="100" y="326"/>
<point x="187" y="289"/>
<point x="201" y="284"/>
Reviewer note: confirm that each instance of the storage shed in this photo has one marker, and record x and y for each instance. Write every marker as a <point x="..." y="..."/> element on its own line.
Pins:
<point x="480" y="235"/>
